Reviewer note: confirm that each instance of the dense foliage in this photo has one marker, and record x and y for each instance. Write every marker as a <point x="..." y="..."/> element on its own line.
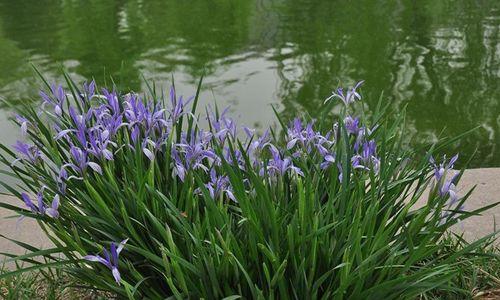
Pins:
<point x="140" y="200"/>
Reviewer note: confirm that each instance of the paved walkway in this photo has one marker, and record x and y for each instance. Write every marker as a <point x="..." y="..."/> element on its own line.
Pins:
<point x="25" y="230"/>
<point x="487" y="182"/>
<point x="487" y="192"/>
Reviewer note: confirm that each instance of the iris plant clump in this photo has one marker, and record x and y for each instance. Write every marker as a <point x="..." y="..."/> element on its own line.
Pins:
<point x="319" y="209"/>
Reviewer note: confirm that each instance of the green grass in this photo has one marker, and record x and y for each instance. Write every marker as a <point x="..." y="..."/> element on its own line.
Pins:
<point x="47" y="284"/>
<point x="477" y="278"/>
<point x="477" y="274"/>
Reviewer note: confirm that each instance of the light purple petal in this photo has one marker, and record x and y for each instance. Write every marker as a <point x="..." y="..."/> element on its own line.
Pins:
<point x="28" y="202"/>
<point x="148" y="153"/>
<point x="452" y="161"/>
<point x="291" y="144"/>
<point x="121" y="245"/>
<point x="41" y="206"/>
<point x="249" y="132"/>
<point x="114" y="254"/>
<point x="107" y="154"/>
<point x="55" y="202"/>
<point x="63" y="133"/>
<point x="330" y="158"/>
<point x="116" y="274"/>
<point x="181" y="171"/>
<point x="24" y="128"/>
<point x="231" y="195"/>
<point x="95" y="258"/>
<point x="358" y="84"/>
<point x="298" y="171"/>
<point x="53" y="213"/>
<point x="95" y="167"/>
<point x="58" y="110"/>
<point x="105" y="134"/>
<point x="453" y="196"/>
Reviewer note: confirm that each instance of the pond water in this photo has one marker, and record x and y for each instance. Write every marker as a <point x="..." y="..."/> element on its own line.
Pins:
<point x="440" y="58"/>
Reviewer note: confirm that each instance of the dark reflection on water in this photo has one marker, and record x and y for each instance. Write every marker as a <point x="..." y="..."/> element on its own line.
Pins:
<point x="441" y="58"/>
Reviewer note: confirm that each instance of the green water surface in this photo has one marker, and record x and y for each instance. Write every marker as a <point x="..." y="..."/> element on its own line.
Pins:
<point x="440" y="58"/>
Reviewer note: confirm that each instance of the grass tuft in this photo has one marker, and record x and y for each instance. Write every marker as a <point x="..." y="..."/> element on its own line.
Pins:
<point x="140" y="200"/>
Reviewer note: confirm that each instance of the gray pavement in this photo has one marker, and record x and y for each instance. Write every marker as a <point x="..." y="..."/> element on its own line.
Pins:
<point x="25" y="230"/>
<point x="487" y="192"/>
<point x="487" y="182"/>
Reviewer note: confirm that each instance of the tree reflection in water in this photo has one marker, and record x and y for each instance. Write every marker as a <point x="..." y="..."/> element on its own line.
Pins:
<point x="442" y="58"/>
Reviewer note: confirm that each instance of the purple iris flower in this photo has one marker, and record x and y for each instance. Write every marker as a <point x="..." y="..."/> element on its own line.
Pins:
<point x="112" y="123"/>
<point x="46" y="99"/>
<point x="112" y="100"/>
<point x="279" y="165"/>
<point x="218" y="186"/>
<point x="78" y="119"/>
<point x="255" y="144"/>
<point x="191" y="155"/>
<point x="156" y="119"/>
<point x="41" y="208"/>
<point x="98" y="144"/>
<point x="222" y="126"/>
<point x="81" y="162"/>
<point x="28" y="152"/>
<point x="180" y="168"/>
<point x="446" y="188"/>
<point x="234" y="158"/>
<point x="24" y="124"/>
<point x="134" y="109"/>
<point x="308" y="140"/>
<point x="89" y="89"/>
<point x="441" y="169"/>
<point x="350" y="95"/>
<point x="305" y="136"/>
<point x="449" y="188"/>
<point x="107" y="119"/>
<point x="61" y="180"/>
<point x="149" y="154"/>
<point x="352" y="125"/>
<point x="134" y="134"/>
<point x="56" y="101"/>
<point x="59" y="93"/>
<point x="341" y="176"/>
<point x="148" y="116"/>
<point x="250" y="132"/>
<point x="323" y="145"/>
<point x="230" y="126"/>
<point x="259" y="143"/>
<point x="62" y="133"/>
<point x="110" y="259"/>
<point x="80" y="122"/>
<point x="328" y="159"/>
<point x="177" y="106"/>
<point x="362" y="134"/>
<point x="367" y="159"/>
<point x="155" y="144"/>
<point x="146" y="142"/>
